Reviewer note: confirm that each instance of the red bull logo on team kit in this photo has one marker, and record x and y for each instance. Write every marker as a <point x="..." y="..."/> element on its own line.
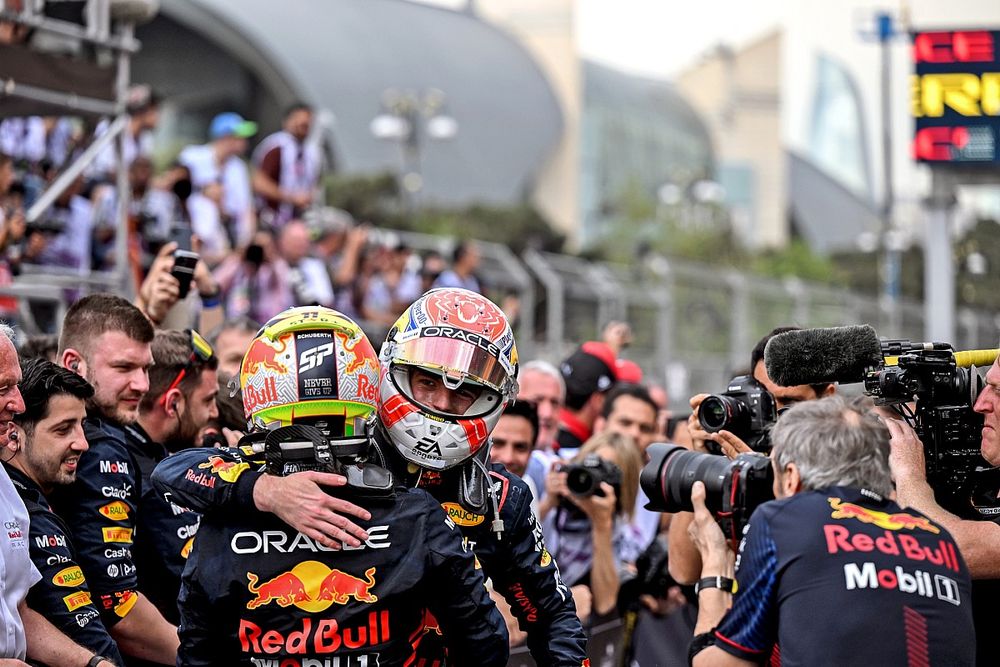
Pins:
<point x="312" y="587"/>
<point x="897" y="521"/>
<point x="315" y="636"/>
<point x="228" y="471"/>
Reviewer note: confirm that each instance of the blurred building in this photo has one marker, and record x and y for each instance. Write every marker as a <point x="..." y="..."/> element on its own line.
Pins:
<point x="534" y="122"/>
<point x="637" y="133"/>
<point x="342" y="56"/>
<point x="737" y="93"/>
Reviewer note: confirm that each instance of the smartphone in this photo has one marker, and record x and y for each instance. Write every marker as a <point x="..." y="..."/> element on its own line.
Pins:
<point x="184" y="263"/>
<point x="180" y="234"/>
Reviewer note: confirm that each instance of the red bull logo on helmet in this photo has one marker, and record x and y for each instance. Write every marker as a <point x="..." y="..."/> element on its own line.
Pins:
<point x="268" y="374"/>
<point x="464" y="308"/>
<point x="312" y="587"/>
<point x="896" y="521"/>
<point x="266" y="355"/>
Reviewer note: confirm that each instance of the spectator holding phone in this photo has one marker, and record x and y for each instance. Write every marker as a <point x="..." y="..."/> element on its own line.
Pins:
<point x="162" y="290"/>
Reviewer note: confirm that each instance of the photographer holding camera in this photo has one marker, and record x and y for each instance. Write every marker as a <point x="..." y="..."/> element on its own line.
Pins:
<point x="757" y="394"/>
<point x="594" y="500"/>
<point x="979" y="540"/>
<point x="887" y="586"/>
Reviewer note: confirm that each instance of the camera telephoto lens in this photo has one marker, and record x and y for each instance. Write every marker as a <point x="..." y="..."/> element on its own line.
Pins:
<point x="672" y="471"/>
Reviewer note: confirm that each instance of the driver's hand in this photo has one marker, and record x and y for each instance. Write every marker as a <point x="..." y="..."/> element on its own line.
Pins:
<point x="300" y="501"/>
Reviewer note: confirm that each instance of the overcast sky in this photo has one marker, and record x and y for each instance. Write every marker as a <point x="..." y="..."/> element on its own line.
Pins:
<point x="660" y="37"/>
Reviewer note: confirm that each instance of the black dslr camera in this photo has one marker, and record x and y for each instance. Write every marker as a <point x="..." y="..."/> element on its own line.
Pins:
<point x="733" y="488"/>
<point x="745" y="409"/>
<point x="584" y="479"/>
<point x="943" y="420"/>
<point x="300" y="447"/>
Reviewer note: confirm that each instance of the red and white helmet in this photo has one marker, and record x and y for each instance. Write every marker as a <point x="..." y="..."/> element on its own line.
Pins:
<point x="466" y="341"/>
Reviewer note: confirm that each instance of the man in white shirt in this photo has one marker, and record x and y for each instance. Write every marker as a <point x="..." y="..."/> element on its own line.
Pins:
<point x="287" y="168"/>
<point x="219" y="162"/>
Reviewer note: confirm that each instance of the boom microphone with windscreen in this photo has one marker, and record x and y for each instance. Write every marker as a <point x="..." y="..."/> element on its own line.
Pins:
<point x="816" y="356"/>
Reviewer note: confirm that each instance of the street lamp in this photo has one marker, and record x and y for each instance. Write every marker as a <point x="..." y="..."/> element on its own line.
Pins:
<point x="405" y="118"/>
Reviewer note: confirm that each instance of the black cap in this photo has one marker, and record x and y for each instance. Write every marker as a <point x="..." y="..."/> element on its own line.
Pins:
<point x="590" y="369"/>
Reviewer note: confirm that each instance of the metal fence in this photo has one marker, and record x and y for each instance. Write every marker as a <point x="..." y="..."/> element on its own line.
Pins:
<point x="694" y="325"/>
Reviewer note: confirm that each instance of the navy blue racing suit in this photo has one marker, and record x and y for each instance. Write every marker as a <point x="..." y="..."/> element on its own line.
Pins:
<point x="517" y="562"/>
<point x="62" y="595"/>
<point x="100" y="509"/>
<point x="257" y="592"/>
<point x="165" y="530"/>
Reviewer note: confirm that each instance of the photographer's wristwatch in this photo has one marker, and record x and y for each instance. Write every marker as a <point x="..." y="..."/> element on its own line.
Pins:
<point x="723" y="583"/>
<point x="98" y="659"/>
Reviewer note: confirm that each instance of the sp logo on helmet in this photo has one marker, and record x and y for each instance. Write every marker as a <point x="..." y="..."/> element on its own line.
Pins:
<point x="311" y="359"/>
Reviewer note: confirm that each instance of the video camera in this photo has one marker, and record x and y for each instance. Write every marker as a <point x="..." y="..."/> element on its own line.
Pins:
<point x="943" y="383"/>
<point x="745" y="409"/>
<point x="733" y="488"/>
<point x="301" y="447"/>
<point x="943" y="420"/>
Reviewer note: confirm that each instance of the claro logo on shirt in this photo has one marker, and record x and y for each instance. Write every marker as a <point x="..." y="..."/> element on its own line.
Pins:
<point x="461" y="516"/>
<point x="115" y="492"/>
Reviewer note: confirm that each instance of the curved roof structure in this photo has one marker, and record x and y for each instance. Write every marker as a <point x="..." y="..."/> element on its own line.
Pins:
<point x="342" y="55"/>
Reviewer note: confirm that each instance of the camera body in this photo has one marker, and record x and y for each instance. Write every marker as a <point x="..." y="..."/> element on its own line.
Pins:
<point x="584" y="479"/>
<point x="733" y="488"/>
<point x="745" y="409"/>
<point x="943" y="420"/>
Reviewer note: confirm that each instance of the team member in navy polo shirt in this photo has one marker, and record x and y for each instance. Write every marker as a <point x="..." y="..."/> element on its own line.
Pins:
<point x="51" y="432"/>
<point x="833" y="572"/>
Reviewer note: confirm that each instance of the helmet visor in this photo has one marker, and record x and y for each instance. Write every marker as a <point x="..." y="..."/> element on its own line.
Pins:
<point x="475" y="359"/>
<point x="432" y="393"/>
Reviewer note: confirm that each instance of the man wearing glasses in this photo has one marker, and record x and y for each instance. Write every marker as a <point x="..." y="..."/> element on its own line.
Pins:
<point x="107" y="341"/>
<point x="183" y="384"/>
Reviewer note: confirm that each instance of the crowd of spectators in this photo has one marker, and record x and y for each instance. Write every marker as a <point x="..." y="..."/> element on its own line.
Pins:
<point x="265" y="243"/>
<point x="256" y="219"/>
